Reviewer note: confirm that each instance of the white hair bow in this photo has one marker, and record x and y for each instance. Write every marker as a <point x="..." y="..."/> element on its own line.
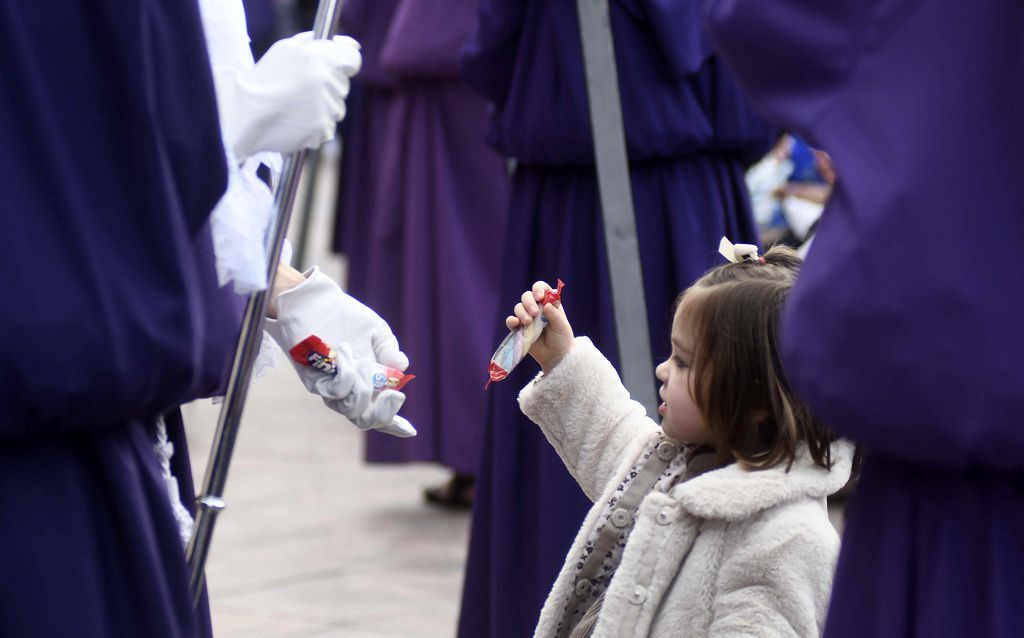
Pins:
<point x="737" y="252"/>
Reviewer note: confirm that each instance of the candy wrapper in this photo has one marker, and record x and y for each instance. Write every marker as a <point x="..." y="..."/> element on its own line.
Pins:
<point x="316" y="354"/>
<point x="515" y="346"/>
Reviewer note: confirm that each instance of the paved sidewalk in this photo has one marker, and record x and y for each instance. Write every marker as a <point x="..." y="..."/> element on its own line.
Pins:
<point x="316" y="543"/>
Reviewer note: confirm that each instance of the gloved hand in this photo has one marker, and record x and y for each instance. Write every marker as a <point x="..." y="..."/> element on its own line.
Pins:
<point x="362" y="342"/>
<point x="293" y="97"/>
<point x="336" y="317"/>
<point x="382" y="414"/>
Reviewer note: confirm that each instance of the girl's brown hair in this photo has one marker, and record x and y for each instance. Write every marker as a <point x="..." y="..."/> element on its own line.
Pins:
<point x="740" y="386"/>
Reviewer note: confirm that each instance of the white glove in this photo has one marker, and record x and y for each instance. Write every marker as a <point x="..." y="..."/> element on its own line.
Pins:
<point x="337" y="317"/>
<point x="362" y="342"/>
<point x="292" y="99"/>
<point x="383" y="409"/>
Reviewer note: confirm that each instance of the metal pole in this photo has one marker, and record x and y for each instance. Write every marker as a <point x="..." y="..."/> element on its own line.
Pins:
<point x="306" y="210"/>
<point x="210" y="502"/>
<point x="623" y="248"/>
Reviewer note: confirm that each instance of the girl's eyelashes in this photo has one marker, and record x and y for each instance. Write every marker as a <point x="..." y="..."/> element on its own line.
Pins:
<point x="678" y="361"/>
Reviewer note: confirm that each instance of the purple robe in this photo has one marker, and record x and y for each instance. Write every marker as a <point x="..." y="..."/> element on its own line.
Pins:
<point x="261" y="21"/>
<point x="904" y="329"/>
<point x="112" y="161"/>
<point x="688" y="134"/>
<point x="361" y="132"/>
<point x="423" y="207"/>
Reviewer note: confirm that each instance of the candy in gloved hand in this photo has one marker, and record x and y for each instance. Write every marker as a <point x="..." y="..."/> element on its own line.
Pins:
<point x="517" y="344"/>
<point x="316" y="354"/>
<point x="319" y="307"/>
<point x="359" y="373"/>
<point x="381" y="412"/>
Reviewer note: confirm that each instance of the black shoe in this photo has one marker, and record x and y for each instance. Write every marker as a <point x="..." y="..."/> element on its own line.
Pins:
<point x="457" y="493"/>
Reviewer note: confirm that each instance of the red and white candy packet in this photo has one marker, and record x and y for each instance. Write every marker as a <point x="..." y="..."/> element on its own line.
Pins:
<point x="516" y="345"/>
<point x="314" y="353"/>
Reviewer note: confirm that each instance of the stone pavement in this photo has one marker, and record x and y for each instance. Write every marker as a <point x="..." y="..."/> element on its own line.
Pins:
<point x="316" y="543"/>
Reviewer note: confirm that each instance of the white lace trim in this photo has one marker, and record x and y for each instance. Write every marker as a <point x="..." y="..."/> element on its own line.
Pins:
<point x="164" y="451"/>
<point x="241" y="218"/>
<point x="240" y="223"/>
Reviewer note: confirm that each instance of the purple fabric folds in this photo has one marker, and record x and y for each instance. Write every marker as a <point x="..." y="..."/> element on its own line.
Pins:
<point x="111" y="315"/>
<point x="424" y="39"/>
<point x="903" y="331"/>
<point x="676" y="99"/>
<point x="422" y="214"/>
<point x="905" y="296"/>
<point x="368" y="21"/>
<point x="111" y="165"/>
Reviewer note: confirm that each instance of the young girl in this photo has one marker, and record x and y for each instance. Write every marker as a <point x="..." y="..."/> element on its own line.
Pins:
<point x="714" y="523"/>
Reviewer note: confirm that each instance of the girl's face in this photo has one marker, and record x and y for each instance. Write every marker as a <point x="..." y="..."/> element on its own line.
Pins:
<point x="680" y="418"/>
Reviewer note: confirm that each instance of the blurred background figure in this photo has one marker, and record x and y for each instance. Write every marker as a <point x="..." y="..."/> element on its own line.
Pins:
<point x="690" y="137"/>
<point x="789" y="188"/>
<point x="421" y="215"/>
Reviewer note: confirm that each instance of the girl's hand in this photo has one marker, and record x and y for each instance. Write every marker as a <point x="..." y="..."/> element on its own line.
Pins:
<point x="557" y="339"/>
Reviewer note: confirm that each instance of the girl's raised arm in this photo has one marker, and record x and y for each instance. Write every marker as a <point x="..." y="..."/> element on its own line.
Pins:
<point x="587" y="415"/>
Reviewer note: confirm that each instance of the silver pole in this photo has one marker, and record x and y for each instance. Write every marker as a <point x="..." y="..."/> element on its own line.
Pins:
<point x="210" y="501"/>
<point x="306" y="210"/>
<point x="621" y="243"/>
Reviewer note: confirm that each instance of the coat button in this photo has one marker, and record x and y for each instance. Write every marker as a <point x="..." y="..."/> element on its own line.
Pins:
<point x="664" y="516"/>
<point x="666" y="451"/>
<point x="583" y="587"/>
<point x="638" y="595"/>
<point x="621" y="518"/>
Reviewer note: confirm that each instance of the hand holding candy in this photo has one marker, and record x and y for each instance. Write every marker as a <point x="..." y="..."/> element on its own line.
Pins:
<point x="557" y="339"/>
<point x="344" y="352"/>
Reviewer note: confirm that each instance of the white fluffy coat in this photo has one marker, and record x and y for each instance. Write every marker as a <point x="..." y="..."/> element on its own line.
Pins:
<point x="732" y="553"/>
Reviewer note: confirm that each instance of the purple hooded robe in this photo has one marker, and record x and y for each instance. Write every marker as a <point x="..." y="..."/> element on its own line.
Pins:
<point x="904" y="329"/>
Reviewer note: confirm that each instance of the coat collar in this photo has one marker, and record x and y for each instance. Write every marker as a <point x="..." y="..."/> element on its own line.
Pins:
<point x="732" y="493"/>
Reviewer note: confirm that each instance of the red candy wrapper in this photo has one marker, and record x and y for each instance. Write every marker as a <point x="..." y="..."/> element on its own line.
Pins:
<point x="390" y="379"/>
<point x="314" y="353"/>
<point x="514" y="347"/>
